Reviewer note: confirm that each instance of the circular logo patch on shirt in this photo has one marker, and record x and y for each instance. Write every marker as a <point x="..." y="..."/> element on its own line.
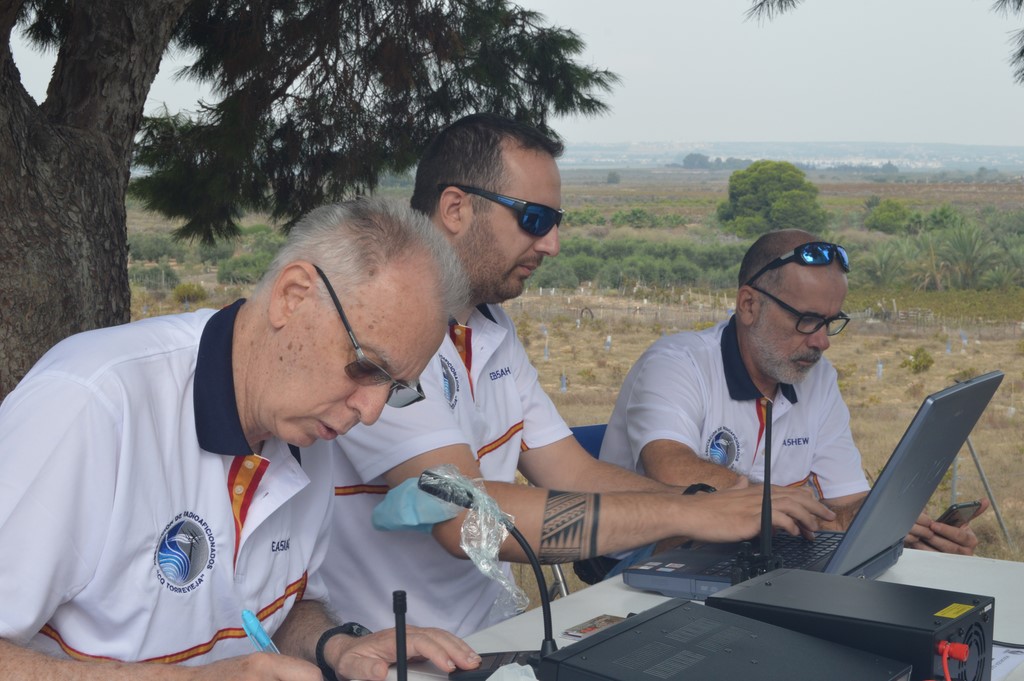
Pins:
<point x="185" y="551"/>
<point x="449" y="382"/>
<point x="722" y="447"/>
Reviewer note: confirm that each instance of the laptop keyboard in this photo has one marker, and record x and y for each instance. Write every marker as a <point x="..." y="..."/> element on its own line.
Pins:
<point x="796" y="552"/>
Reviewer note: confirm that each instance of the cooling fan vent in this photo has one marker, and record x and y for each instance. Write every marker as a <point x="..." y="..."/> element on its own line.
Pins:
<point x="974" y="668"/>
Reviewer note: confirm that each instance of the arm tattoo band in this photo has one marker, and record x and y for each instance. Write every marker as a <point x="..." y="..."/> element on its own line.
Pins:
<point x="569" y="529"/>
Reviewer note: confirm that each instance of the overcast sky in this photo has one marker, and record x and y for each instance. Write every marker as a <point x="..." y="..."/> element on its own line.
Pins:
<point x="831" y="70"/>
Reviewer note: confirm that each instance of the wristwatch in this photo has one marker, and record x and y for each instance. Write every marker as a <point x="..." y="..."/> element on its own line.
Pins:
<point x="699" y="487"/>
<point x="348" y="629"/>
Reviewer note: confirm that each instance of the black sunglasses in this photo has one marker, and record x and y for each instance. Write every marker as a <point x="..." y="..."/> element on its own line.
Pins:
<point x="812" y="254"/>
<point x="365" y="371"/>
<point x="535" y="218"/>
<point x="808" y="322"/>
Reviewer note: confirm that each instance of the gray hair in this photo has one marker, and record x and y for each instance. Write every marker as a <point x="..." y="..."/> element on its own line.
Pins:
<point x="353" y="241"/>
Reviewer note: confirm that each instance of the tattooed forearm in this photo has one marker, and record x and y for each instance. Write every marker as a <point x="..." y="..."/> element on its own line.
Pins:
<point x="569" y="529"/>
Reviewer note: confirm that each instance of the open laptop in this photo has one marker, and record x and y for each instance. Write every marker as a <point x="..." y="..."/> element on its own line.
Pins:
<point x="874" y="540"/>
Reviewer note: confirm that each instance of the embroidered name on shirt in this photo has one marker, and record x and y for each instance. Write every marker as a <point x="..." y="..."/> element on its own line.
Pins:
<point x="282" y="545"/>
<point x="796" y="441"/>
<point x="495" y="375"/>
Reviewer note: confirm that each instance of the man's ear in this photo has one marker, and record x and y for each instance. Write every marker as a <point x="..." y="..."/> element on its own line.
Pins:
<point x="294" y="285"/>
<point x="747" y="306"/>
<point x="454" y="211"/>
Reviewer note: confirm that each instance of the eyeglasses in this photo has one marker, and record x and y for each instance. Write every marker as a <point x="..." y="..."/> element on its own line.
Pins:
<point x="807" y="322"/>
<point x="814" y="253"/>
<point x="535" y="218"/>
<point x="365" y="371"/>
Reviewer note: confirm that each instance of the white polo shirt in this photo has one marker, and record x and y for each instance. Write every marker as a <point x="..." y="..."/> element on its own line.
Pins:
<point x="124" y="478"/>
<point x="693" y="388"/>
<point x="498" y="408"/>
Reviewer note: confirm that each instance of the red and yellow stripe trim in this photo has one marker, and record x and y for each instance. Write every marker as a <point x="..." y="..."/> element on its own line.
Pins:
<point x="295" y="589"/>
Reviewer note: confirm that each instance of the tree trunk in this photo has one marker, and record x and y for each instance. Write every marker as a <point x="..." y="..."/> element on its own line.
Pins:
<point x="64" y="169"/>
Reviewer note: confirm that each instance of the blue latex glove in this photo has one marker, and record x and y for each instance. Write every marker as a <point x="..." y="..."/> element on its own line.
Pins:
<point x="407" y="507"/>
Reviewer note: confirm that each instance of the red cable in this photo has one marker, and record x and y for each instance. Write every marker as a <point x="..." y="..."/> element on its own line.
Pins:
<point x="958" y="651"/>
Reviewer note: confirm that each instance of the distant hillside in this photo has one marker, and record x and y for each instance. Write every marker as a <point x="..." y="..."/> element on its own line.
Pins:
<point x="819" y="154"/>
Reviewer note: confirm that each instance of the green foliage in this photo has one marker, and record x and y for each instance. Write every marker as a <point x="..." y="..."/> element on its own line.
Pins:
<point x="918" y="362"/>
<point x="243" y="269"/>
<point x="617" y="263"/>
<point x="771" y="195"/>
<point x="160" y="277"/>
<point x="634" y="217"/>
<point x="889" y="216"/>
<point x="614" y="177"/>
<point x="555" y="273"/>
<point x="152" y="246"/>
<point x="696" y="161"/>
<point x="583" y="216"/>
<point x="190" y="293"/>
<point x="267" y="243"/>
<point x="215" y="252"/>
<point x="321" y="99"/>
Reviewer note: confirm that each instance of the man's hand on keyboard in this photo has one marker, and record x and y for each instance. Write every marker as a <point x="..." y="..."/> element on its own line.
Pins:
<point x="735" y="514"/>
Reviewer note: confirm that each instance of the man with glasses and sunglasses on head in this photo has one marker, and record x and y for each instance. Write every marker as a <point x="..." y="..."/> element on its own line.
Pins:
<point x="150" y="479"/>
<point x="690" y="410"/>
<point x="492" y="187"/>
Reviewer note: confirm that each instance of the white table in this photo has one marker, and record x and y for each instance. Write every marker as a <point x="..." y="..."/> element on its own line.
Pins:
<point x="1001" y="579"/>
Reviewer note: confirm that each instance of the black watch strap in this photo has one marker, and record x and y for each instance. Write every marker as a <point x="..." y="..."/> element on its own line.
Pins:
<point x="699" y="487"/>
<point x="348" y="629"/>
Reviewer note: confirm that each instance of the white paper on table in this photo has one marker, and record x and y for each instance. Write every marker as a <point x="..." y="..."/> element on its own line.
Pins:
<point x="1004" y="661"/>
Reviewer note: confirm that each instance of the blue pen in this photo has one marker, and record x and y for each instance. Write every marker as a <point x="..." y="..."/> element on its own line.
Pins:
<point x="257" y="634"/>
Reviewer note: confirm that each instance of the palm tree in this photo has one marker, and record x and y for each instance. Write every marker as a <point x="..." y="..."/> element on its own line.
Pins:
<point x="969" y="253"/>
<point x="926" y="268"/>
<point x="885" y="265"/>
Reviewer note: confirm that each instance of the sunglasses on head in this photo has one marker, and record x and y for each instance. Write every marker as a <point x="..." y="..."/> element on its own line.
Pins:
<point x="534" y="218"/>
<point x="364" y="371"/>
<point x="813" y="254"/>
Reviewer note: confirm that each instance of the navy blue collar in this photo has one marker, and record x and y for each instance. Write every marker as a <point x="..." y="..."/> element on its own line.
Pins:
<point x="737" y="378"/>
<point x="218" y="426"/>
<point x="486" y="311"/>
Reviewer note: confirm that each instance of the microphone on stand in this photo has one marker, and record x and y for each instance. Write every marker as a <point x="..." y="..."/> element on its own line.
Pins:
<point x="750" y="563"/>
<point x="437" y="486"/>
<point x="402" y="654"/>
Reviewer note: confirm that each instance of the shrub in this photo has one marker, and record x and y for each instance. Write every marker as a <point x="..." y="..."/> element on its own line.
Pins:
<point x="190" y="293"/>
<point x="243" y="269"/>
<point x="153" y="277"/>
<point x="153" y="246"/>
<point x="918" y="362"/>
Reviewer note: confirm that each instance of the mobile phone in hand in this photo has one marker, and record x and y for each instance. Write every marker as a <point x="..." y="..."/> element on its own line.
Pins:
<point x="958" y="514"/>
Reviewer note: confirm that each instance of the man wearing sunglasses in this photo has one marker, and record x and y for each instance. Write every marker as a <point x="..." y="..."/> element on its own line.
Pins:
<point x="492" y="187"/>
<point x="150" y="479"/>
<point x="690" y="409"/>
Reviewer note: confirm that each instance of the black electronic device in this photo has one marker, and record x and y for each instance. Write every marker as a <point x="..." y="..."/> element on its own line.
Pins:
<point x="894" y="620"/>
<point x="435" y="485"/>
<point x="685" y="640"/>
<point x="959" y="514"/>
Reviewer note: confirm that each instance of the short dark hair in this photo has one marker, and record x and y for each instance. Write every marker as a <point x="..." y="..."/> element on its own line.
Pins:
<point x="767" y="248"/>
<point x="469" y="152"/>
